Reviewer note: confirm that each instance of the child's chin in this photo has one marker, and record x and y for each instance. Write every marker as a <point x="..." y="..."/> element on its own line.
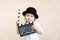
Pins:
<point x="30" y="21"/>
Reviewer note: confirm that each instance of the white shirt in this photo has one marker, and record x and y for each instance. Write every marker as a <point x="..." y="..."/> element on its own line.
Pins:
<point x="34" y="36"/>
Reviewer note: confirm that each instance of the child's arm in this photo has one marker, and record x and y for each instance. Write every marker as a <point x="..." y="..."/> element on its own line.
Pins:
<point x="17" y="27"/>
<point x="38" y="29"/>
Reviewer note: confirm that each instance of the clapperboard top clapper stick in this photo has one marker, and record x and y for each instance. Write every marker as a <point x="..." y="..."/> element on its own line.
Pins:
<point x="18" y="15"/>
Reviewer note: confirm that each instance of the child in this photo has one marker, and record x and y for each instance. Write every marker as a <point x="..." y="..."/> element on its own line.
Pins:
<point x="31" y="15"/>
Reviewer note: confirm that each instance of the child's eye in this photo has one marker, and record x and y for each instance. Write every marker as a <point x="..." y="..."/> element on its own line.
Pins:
<point x="31" y="16"/>
<point x="27" y="15"/>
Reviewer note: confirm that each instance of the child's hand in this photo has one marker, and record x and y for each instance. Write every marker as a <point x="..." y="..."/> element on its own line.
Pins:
<point x="17" y="23"/>
<point x="17" y="27"/>
<point x="33" y="27"/>
<point x="37" y="29"/>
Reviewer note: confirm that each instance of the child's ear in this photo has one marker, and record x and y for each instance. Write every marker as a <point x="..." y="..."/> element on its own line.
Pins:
<point x="24" y="18"/>
<point x="34" y="19"/>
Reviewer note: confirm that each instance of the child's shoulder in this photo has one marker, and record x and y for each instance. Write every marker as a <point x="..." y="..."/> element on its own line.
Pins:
<point x="36" y="23"/>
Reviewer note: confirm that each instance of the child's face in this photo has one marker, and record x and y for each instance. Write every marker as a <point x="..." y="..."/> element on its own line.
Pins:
<point x="29" y="17"/>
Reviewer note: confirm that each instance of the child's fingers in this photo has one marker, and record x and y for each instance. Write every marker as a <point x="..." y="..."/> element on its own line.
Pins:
<point x="17" y="23"/>
<point x="33" y="27"/>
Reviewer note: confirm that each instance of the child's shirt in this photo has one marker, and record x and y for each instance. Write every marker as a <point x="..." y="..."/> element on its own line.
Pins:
<point x="34" y="36"/>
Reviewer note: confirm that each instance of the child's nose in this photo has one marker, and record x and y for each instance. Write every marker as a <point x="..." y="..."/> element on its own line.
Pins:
<point x="28" y="19"/>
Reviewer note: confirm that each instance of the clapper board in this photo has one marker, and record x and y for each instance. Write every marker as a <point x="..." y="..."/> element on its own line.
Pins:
<point x="25" y="29"/>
